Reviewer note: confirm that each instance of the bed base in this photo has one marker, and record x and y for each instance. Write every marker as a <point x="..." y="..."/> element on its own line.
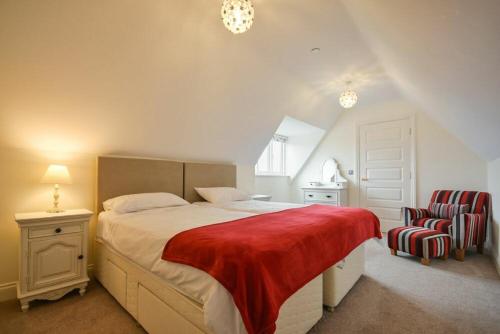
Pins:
<point x="340" y="278"/>
<point x="161" y="309"/>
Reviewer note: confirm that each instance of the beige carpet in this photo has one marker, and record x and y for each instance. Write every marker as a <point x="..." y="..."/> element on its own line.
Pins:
<point x="397" y="295"/>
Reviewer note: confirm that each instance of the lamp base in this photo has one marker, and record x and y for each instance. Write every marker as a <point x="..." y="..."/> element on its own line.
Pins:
<point x="55" y="210"/>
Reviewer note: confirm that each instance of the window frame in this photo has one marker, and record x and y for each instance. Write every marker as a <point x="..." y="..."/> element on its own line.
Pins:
<point x="282" y="140"/>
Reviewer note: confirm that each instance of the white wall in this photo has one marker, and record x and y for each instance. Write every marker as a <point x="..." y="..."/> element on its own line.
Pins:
<point x="494" y="189"/>
<point x="276" y="186"/>
<point x="443" y="161"/>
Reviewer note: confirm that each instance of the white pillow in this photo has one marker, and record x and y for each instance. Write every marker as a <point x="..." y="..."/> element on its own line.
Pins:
<point x="145" y="201"/>
<point x="222" y="194"/>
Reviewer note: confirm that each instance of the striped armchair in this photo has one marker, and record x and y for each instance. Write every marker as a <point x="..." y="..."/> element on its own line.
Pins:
<point x="466" y="229"/>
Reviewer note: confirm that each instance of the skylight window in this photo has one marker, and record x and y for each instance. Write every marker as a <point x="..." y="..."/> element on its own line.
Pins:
<point x="290" y="147"/>
<point x="273" y="159"/>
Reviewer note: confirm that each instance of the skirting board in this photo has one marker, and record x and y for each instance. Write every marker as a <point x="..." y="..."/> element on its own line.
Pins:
<point x="8" y="291"/>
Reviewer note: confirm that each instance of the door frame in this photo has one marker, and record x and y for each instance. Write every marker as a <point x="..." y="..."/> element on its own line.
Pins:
<point x="413" y="145"/>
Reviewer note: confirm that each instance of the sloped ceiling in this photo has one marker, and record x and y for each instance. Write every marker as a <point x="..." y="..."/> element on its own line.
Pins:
<point x="165" y="78"/>
<point x="444" y="55"/>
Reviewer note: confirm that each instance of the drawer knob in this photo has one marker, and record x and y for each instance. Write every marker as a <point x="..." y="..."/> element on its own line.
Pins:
<point x="58" y="230"/>
<point x="310" y="195"/>
<point x="80" y="257"/>
<point x="328" y="196"/>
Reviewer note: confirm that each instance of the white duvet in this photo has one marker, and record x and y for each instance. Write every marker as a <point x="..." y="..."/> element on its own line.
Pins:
<point x="141" y="237"/>
<point x="252" y="206"/>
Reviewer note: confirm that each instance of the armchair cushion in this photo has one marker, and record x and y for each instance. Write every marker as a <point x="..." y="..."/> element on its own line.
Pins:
<point x="437" y="224"/>
<point x="410" y="214"/>
<point x="447" y="211"/>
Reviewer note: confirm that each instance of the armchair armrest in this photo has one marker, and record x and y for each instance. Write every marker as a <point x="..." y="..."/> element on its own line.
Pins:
<point x="410" y="214"/>
<point x="469" y="229"/>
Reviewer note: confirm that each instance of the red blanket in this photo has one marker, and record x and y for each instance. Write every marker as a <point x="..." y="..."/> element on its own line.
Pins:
<point x="262" y="260"/>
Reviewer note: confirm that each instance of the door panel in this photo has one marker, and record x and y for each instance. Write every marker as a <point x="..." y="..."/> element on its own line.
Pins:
<point x="385" y="169"/>
<point x="385" y="154"/>
<point x="384" y="173"/>
<point x="392" y="194"/>
<point x="54" y="260"/>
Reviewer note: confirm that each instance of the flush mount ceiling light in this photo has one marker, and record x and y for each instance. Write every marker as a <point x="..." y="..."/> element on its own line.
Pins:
<point x="237" y="15"/>
<point x="348" y="98"/>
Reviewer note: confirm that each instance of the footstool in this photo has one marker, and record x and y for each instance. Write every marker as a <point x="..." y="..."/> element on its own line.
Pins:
<point x="419" y="241"/>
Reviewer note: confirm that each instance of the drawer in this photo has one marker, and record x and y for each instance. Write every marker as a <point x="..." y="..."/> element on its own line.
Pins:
<point x="322" y="203"/>
<point x="320" y="196"/>
<point x="51" y="230"/>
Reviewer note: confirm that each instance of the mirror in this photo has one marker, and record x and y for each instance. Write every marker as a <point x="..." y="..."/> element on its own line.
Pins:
<point x="329" y="170"/>
<point x="331" y="173"/>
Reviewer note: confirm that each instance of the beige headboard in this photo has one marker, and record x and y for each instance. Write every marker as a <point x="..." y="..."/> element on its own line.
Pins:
<point x="206" y="175"/>
<point x="122" y="176"/>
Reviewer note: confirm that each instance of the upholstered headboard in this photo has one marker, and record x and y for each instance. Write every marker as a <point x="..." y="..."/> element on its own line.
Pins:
<point x="122" y="176"/>
<point x="206" y="175"/>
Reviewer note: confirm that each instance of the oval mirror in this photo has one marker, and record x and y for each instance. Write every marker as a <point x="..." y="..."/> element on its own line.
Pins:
<point x="329" y="170"/>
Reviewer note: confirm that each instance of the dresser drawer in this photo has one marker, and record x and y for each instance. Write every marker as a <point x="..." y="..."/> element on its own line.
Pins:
<point x="51" y="230"/>
<point x="321" y="196"/>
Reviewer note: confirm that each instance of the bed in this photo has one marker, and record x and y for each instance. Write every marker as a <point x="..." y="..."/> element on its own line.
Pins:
<point x="169" y="297"/>
<point x="338" y="280"/>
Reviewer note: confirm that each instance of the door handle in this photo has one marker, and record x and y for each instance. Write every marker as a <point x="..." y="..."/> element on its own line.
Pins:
<point x="364" y="179"/>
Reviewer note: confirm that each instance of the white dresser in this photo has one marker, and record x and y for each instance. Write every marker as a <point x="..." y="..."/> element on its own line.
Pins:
<point x="325" y="195"/>
<point x="53" y="254"/>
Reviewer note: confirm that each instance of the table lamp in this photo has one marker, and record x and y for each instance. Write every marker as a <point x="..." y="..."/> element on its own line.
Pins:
<point x="56" y="175"/>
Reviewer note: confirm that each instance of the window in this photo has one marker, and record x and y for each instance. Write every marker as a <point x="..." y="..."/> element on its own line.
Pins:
<point x="272" y="160"/>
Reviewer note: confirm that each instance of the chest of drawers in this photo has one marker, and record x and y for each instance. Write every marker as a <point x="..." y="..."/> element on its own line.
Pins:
<point x="325" y="195"/>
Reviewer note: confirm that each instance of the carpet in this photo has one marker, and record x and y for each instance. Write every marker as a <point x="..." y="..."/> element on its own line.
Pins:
<point x="396" y="295"/>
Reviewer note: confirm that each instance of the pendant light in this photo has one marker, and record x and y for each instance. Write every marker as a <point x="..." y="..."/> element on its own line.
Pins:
<point x="237" y="15"/>
<point x="348" y="98"/>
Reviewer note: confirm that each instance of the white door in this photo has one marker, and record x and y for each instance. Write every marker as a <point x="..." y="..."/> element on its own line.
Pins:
<point x="385" y="160"/>
<point x="54" y="260"/>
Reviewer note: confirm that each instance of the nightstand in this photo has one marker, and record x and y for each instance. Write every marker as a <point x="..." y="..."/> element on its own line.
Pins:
<point x="53" y="254"/>
<point x="265" y="198"/>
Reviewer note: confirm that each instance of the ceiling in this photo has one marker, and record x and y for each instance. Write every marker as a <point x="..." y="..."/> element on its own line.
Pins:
<point x="165" y="78"/>
<point x="443" y="55"/>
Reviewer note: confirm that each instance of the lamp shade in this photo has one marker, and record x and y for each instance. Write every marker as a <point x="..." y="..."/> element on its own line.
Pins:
<point x="57" y="174"/>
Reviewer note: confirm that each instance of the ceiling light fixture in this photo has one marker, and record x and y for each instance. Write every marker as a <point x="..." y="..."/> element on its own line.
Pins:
<point x="237" y="15"/>
<point x="348" y="98"/>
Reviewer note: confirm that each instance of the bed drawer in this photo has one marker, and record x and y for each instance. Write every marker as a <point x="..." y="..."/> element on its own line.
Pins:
<point x="159" y="318"/>
<point x="52" y="230"/>
<point x="115" y="280"/>
<point x="320" y="196"/>
<point x="340" y="278"/>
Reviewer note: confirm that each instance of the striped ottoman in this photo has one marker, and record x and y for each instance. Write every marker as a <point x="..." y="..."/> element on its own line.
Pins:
<point x="419" y="241"/>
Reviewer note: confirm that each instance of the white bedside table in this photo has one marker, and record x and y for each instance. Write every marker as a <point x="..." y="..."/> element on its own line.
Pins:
<point x="265" y="198"/>
<point x="53" y="254"/>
